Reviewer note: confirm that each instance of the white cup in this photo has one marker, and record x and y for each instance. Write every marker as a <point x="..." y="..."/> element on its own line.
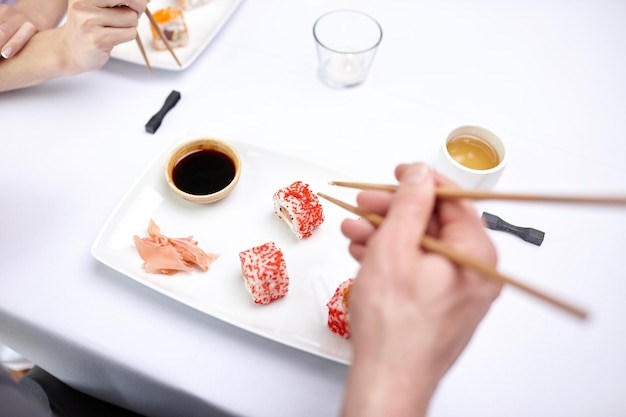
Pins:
<point x="483" y="177"/>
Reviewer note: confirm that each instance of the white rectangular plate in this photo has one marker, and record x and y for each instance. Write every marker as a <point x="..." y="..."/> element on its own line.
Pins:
<point x="203" y="24"/>
<point x="316" y="265"/>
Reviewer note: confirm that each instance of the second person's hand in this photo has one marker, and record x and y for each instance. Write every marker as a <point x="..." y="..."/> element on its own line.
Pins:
<point x="15" y="30"/>
<point x="94" y="27"/>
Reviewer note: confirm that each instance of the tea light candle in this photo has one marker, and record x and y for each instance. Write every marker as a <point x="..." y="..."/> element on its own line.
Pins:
<point x="346" y="42"/>
<point x="345" y="69"/>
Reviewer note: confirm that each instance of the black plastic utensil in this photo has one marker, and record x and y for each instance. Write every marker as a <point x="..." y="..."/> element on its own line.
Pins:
<point x="528" y="234"/>
<point x="154" y="123"/>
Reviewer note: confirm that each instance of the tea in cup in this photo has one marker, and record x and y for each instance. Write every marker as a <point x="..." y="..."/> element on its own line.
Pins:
<point x="473" y="157"/>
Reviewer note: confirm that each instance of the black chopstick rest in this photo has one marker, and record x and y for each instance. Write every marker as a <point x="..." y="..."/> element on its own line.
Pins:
<point x="154" y="123"/>
<point x="528" y="234"/>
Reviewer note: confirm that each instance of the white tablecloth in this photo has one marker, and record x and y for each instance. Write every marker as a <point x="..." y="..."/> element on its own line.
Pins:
<point x="547" y="76"/>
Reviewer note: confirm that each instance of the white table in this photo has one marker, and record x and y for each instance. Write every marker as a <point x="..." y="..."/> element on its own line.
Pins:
<point x="548" y="76"/>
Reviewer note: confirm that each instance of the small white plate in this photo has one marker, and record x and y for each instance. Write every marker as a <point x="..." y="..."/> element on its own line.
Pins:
<point x="245" y="218"/>
<point x="203" y="24"/>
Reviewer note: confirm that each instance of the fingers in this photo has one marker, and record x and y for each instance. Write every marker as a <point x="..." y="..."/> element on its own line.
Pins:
<point x="358" y="231"/>
<point x="116" y="17"/>
<point x="139" y="6"/>
<point x="109" y="13"/>
<point x="414" y="203"/>
<point x="411" y="204"/>
<point x="374" y="201"/>
<point x="357" y="251"/>
<point x="128" y="13"/>
<point x="18" y="40"/>
<point x="15" y="30"/>
<point x="462" y="223"/>
<point x="95" y="27"/>
<point x="459" y="225"/>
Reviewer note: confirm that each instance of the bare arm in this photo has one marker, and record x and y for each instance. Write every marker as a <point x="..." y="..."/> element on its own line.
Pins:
<point x="20" y="22"/>
<point x="84" y="42"/>
<point x="45" y="14"/>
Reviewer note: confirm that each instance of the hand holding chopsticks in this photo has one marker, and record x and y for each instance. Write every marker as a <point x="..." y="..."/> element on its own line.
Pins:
<point x="433" y="245"/>
<point x="437" y="246"/>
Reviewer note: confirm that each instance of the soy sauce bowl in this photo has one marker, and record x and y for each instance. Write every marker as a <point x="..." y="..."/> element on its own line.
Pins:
<point x="203" y="170"/>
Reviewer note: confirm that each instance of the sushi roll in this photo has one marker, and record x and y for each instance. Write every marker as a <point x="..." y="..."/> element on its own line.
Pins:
<point x="264" y="272"/>
<point x="299" y="208"/>
<point x="338" y="312"/>
<point x="172" y="24"/>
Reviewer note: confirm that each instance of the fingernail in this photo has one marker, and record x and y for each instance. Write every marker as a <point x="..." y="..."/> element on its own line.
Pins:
<point x="6" y="53"/>
<point x="416" y="174"/>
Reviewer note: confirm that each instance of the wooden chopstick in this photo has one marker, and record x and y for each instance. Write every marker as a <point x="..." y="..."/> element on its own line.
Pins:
<point x="434" y="245"/>
<point x="446" y="192"/>
<point x="156" y="26"/>
<point x="143" y="52"/>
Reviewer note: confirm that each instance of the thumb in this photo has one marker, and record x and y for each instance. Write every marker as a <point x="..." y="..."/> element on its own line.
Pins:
<point x="411" y="205"/>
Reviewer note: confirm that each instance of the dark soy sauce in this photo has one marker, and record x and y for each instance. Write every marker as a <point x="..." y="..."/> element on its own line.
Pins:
<point x="202" y="172"/>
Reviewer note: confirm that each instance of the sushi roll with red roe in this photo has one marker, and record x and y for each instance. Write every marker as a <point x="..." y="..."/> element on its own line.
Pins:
<point x="265" y="273"/>
<point x="299" y="208"/>
<point x="338" y="312"/>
